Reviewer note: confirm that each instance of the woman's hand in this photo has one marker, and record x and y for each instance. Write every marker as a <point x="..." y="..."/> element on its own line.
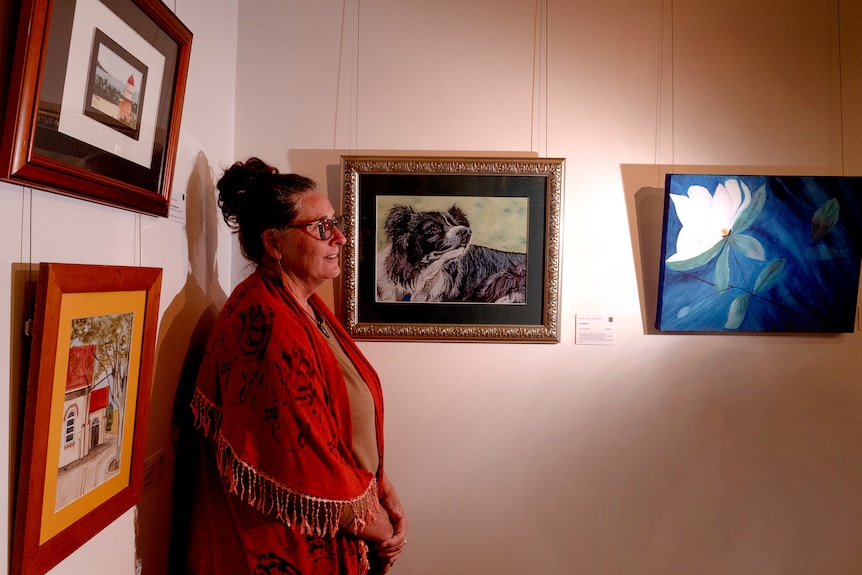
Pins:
<point x="389" y="550"/>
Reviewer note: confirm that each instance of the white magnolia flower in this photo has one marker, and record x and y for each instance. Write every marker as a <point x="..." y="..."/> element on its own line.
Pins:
<point x="707" y="219"/>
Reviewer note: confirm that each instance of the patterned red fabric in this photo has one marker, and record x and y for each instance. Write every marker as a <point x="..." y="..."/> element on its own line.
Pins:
<point x="279" y="475"/>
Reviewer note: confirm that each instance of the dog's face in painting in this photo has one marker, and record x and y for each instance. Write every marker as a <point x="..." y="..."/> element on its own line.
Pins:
<point x="428" y="238"/>
<point x="419" y="246"/>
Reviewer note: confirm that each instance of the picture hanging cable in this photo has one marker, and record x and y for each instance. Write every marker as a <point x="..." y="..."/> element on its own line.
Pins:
<point x="29" y="294"/>
<point x="840" y="90"/>
<point x="544" y="82"/>
<point x="354" y="92"/>
<point x="660" y="85"/>
<point x="138" y="239"/>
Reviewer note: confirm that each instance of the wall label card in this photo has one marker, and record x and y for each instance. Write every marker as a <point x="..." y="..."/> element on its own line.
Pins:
<point x="594" y="329"/>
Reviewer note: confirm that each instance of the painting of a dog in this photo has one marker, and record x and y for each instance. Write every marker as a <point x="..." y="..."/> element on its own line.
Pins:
<point x="429" y="256"/>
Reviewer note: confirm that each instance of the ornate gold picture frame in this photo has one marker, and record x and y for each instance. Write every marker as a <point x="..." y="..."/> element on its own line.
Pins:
<point x="452" y="249"/>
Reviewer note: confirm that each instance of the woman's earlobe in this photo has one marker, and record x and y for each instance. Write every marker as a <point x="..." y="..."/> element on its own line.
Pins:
<point x="270" y="243"/>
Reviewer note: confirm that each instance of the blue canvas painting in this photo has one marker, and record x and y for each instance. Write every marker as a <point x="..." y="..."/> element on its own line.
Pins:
<point x="760" y="254"/>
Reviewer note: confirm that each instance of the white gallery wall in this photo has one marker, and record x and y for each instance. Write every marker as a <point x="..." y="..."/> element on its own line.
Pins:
<point x="39" y="226"/>
<point x="661" y="453"/>
<point x="658" y="454"/>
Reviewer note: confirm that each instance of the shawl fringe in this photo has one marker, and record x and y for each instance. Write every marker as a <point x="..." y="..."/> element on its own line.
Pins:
<point x="314" y="515"/>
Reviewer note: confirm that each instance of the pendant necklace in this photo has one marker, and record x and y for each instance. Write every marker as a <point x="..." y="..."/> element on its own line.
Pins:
<point x="318" y="321"/>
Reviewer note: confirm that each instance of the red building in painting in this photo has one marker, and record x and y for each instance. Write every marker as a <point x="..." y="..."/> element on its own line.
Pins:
<point x="125" y="106"/>
<point x="84" y="408"/>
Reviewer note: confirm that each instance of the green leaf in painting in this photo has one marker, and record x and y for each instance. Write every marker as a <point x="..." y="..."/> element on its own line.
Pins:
<point x="752" y="211"/>
<point x="699" y="260"/>
<point x="722" y="270"/>
<point x="749" y="246"/>
<point x="736" y="313"/>
<point x="824" y="219"/>
<point x="769" y="275"/>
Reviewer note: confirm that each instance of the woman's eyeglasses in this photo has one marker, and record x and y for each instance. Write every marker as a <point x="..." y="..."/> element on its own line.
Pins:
<point x="325" y="228"/>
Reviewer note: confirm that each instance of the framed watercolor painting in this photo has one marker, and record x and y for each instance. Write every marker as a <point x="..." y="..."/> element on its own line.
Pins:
<point x="760" y="254"/>
<point x="95" y="100"/>
<point x="456" y="249"/>
<point x="85" y="420"/>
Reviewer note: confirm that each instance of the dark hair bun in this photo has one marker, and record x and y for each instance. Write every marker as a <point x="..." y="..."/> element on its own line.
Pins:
<point x="254" y="197"/>
<point x="239" y="182"/>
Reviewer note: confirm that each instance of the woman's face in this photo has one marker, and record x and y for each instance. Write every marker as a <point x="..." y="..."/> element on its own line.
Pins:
<point x="307" y="260"/>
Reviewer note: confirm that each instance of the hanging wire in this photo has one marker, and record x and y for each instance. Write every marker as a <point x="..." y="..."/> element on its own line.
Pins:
<point x="351" y="103"/>
<point x="29" y="294"/>
<point x="659" y="123"/>
<point x="30" y="227"/>
<point x="139" y="239"/>
<point x="840" y="91"/>
<point x="338" y="76"/>
<point x="354" y="92"/>
<point x="672" y="91"/>
<point x="539" y="108"/>
<point x="544" y="79"/>
<point x="536" y="103"/>
<point x="29" y="196"/>
<point x="658" y="98"/>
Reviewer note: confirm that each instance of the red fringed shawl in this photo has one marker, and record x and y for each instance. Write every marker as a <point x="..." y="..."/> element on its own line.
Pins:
<point x="280" y="475"/>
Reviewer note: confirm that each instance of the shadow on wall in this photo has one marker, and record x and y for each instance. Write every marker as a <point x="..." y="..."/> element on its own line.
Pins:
<point x="183" y="334"/>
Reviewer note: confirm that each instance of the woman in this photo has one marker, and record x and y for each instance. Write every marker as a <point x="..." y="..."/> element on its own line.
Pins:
<point x="291" y="479"/>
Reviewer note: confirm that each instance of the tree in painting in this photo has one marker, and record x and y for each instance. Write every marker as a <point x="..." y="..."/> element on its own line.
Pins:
<point x="111" y="336"/>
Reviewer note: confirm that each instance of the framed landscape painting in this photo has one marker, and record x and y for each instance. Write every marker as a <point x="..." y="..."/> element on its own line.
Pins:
<point x="760" y="254"/>
<point x="456" y="249"/>
<point x="87" y="404"/>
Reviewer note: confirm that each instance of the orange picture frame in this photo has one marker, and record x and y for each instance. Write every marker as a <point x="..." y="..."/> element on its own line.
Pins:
<point x="86" y="407"/>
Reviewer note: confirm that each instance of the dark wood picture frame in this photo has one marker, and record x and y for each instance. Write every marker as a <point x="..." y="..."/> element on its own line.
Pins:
<point x="50" y="142"/>
<point x="104" y="45"/>
<point x="520" y="198"/>
<point x="86" y="407"/>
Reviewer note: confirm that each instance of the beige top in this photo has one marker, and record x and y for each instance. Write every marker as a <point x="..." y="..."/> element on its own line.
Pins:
<point x="365" y="448"/>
